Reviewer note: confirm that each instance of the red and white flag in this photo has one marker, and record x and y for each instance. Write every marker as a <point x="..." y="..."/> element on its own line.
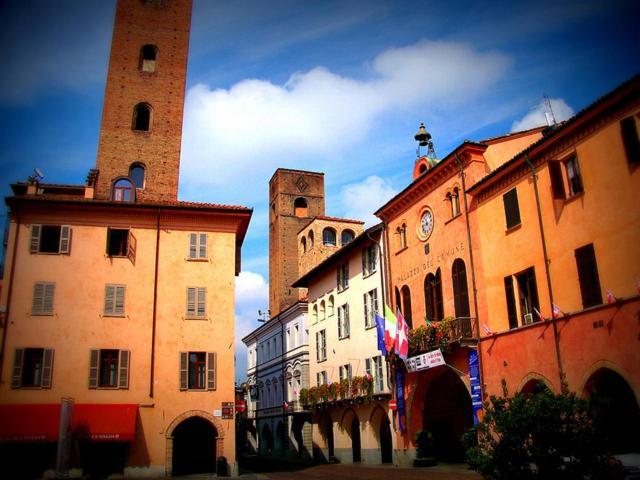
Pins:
<point x="611" y="298"/>
<point x="402" y="338"/>
<point x="486" y="329"/>
<point x="556" y="311"/>
<point x="538" y="314"/>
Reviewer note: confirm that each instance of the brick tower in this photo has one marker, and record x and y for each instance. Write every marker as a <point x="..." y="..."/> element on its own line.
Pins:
<point x="295" y="197"/>
<point x="141" y="126"/>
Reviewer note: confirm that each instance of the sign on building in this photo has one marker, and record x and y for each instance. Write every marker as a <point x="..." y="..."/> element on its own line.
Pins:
<point x="425" y="361"/>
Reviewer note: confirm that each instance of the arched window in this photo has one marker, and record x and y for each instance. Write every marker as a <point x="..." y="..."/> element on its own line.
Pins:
<point x="422" y="168"/>
<point x="123" y="191"/>
<point x="329" y="237"/>
<point x="300" y="207"/>
<point x="311" y="242"/>
<point x="148" y="57"/>
<point x="136" y="174"/>
<point x="406" y="305"/>
<point x="398" y="299"/>
<point x="303" y="244"/>
<point x="401" y="231"/>
<point x="460" y="290"/>
<point x="142" y="117"/>
<point x="346" y="237"/>
<point x="455" y="202"/>
<point x="314" y="314"/>
<point x="330" y="306"/>
<point x="433" y="296"/>
<point x="323" y="312"/>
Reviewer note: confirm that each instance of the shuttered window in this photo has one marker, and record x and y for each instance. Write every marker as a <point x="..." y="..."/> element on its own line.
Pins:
<point x="197" y="246"/>
<point x="196" y="302"/>
<point x="588" y="276"/>
<point x="433" y="296"/>
<point x="460" y="290"/>
<point x="198" y="371"/>
<point x="511" y="302"/>
<point x="109" y="368"/>
<point x="114" y="300"/>
<point x="406" y="305"/>
<point x="343" y="276"/>
<point x="321" y="345"/>
<point x="528" y="295"/>
<point x="557" y="182"/>
<point x="573" y="176"/>
<point x="32" y="368"/>
<point x="343" y="321"/>
<point x="511" y="208"/>
<point x="43" y="293"/>
<point x="50" y="239"/>
<point x="629" y="130"/>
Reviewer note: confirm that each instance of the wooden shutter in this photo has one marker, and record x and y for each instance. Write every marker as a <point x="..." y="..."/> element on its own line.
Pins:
<point x="367" y="366"/>
<point x="374" y="304"/>
<point x="511" y="302"/>
<point x="109" y="299"/>
<point x="366" y="309"/>
<point x="47" y="367"/>
<point x="119" y="300"/>
<point x="47" y="304"/>
<point x="460" y="289"/>
<point x="193" y="245"/>
<point x="532" y="291"/>
<point x="365" y="269"/>
<point x="346" y="275"/>
<point x="94" y="360"/>
<point x="16" y="379"/>
<point x="630" y="139"/>
<point x="511" y="208"/>
<point x="340" y="314"/>
<point x="318" y="346"/>
<point x="338" y="278"/>
<point x="211" y="370"/>
<point x="202" y="253"/>
<point x="202" y="302"/>
<point x="34" y="242"/>
<point x="346" y="320"/>
<point x="38" y="299"/>
<point x="439" y="311"/>
<point x="557" y="182"/>
<point x="123" y="369"/>
<point x="588" y="276"/>
<point x="191" y="302"/>
<point x="131" y="248"/>
<point x="65" y="239"/>
<point x="184" y="370"/>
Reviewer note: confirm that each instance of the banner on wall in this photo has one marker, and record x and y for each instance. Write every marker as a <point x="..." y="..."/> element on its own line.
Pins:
<point x="400" y="399"/>
<point x="474" y="382"/>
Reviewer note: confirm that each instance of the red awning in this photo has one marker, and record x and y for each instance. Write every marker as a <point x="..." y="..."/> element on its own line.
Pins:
<point x="41" y="422"/>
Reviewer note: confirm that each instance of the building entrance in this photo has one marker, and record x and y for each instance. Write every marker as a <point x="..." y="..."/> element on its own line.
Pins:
<point x="194" y="447"/>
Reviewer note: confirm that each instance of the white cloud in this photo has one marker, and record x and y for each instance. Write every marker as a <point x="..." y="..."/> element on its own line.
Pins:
<point x="362" y="199"/>
<point x="536" y="117"/>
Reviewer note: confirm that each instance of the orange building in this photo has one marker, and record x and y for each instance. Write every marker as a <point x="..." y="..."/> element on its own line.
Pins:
<point x="119" y="299"/>
<point x="559" y="225"/>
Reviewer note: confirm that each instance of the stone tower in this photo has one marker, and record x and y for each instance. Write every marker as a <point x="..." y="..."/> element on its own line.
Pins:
<point x="295" y="197"/>
<point x="141" y="127"/>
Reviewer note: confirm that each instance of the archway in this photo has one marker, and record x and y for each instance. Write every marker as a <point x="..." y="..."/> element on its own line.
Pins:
<point x="280" y="439"/>
<point x="533" y="387"/>
<point x="386" y="448"/>
<point x="326" y="431"/>
<point x="355" y="440"/>
<point x="619" y="415"/>
<point x="447" y="415"/>
<point x="266" y="440"/>
<point x="194" y="447"/>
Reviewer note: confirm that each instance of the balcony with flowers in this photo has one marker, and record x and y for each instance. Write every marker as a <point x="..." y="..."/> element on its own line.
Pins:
<point x="357" y="390"/>
<point x="445" y="334"/>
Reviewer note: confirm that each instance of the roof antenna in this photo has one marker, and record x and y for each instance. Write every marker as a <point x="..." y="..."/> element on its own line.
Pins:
<point x="551" y="118"/>
<point x="37" y="175"/>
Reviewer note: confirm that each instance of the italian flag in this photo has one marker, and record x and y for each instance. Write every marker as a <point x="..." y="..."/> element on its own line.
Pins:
<point x="390" y="328"/>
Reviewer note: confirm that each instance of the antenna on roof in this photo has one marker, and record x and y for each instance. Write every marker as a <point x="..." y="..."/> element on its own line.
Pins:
<point x="551" y="118"/>
<point x="37" y="175"/>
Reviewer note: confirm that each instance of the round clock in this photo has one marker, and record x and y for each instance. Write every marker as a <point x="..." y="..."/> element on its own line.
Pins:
<point x="426" y="224"/>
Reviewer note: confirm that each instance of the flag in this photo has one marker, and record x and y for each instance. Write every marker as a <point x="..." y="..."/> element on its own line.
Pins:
<point x="556" y="311"/>
<point x="538" y="314"/>
<point x="402" y="338"/>
<point x="380" y="330"/>
<point x="390" y="328"/>
<point x="285" y="405"/>
<point x="486" y="329"/>
<point x="610" y="296"/>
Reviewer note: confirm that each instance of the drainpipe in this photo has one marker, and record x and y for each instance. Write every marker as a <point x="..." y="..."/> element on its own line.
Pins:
<point x="285" y="396"/>
<point x="11" y="275"/>
<point x="473" y="273"/>
<point x="155" y="305"/>
<point x="534" y="176"/>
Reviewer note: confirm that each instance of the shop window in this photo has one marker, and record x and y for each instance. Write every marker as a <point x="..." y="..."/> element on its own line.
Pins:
<point x="346" y="237"/>
<point x="50" y="239"/>
<point x="42" y="303"/>
<point x="32" y="368"/>
<point x="511" y="208"/>
<point x="588" y="276"/>
<point x="329" y="237"/>
<point x="629" y="130"/>
<point x="114" y="300"/>
<point x="109" y="368"/>
<point x="198" y="370"/>
<point x="198" y="246"/>
<point x="196" y="302"/>
<point x="148" y="58"/>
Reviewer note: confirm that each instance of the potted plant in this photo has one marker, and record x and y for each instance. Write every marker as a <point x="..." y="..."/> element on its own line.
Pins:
<point x="344" y="388"/>
<point x="323" y="392"/>
<point x="334" y="391"/>
<point x="304" y="397"/>
<point x="424" y="449"/>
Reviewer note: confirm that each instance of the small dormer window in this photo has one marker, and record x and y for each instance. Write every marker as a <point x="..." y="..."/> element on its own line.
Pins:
<point x="123" y="191"/>
<point x="148" y="57"/>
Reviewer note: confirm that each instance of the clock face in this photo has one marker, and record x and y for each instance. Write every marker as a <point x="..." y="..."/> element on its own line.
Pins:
<point x="426" y="224"/>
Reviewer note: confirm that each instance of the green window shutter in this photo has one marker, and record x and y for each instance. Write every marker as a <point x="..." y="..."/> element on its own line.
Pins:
<point x="16" y="378"/>
<point x="65" y="239"/>
<point x="203" y="246"/>
<point x="34" y="242"/>
<point x="184" y="370"/>
<point x="193" y="245"/>
<point x="211" y="370"/>
<point x="47" y="367"/>
<point x="123" y="373"/>
<point x="94" y="359"/>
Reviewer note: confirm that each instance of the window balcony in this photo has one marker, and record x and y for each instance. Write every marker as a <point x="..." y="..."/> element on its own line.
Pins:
<point x="445" y="334"/>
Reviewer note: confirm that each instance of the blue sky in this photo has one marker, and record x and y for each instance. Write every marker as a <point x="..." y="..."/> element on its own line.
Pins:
<point x="332" y="86"/>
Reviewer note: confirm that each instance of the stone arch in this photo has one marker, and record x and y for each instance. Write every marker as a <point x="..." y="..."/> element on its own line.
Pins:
<point x="534" y="376"/>
<point x="600" y="364"/>
<point x="168" y="434"/>
<point x="344" y="415"/>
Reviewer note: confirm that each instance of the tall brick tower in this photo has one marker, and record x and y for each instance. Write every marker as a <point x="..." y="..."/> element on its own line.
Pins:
<point x="141" y="126"/>
<point x="295" y="197"/>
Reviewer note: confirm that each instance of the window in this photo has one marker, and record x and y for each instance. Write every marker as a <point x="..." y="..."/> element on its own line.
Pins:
<point x="196" y="302"/>
<point x="406" y="305"/>
<point x="557" y="182"/>
<point x="374" y="368"/>
<point x="343" y="276"/>
<point x="148" y="56"/>
<point x="123" y="191"/>
<point x="460" y="290"/>
<point x="397" y="297"/>
<point x="573" y="176"/>
<point x="511" y="208"/>
<point x="629" y="130"/>
<point x="455" y="202"/>
<point x="109" y="369"/>
<point x="42" y="303"/>
<point x="50" y="239"/>
<point x="330" y="306"/>
<point x="433" y="296"/>
<point x="401" y="232"/>
<point x="197" y="246"/>
<point x="114" y="300"/>
<point x="370" y="308"/>
<point x="321" y="345"/>
<point x="588" y="276"/>
<point x="141" y="117"/>
<point x="369" y="260"/>
<point x="343" y="321"/>
<point x="314" y="314"/>
<point x="198" y="370"/>
<point x="136" y="174"/>
<point x="323" y="310"/>
<point x="310" y="239"/>
<point x="303" y="244"/>
<point x="300" y="207"/>
<point x="528" y="295"/>
<point x="346" y="237"/>
<point x="329" y="237"/>
<point x="345" y="372"/>
<point x="32" y="368"/>
<point x="512" y="314"/>
<point x="321" y="378"/>
<point x="121" y="243"/>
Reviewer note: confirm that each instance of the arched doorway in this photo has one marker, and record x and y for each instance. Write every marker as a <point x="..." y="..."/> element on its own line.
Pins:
<point x="533" y="387"/>
<point x="619" y="415"/>
<point x="266" y="440"/>
<point x="194" y="447"/>
<point x="280" y="439"/>
<point x="386" y="448"/>
<point x="447" y="415"/>
<point x="355" y="440"/>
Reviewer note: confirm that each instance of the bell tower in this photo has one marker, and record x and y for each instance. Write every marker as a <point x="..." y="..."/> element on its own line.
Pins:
<point x="295" y="198"/>
<point x="141" y="130"/>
